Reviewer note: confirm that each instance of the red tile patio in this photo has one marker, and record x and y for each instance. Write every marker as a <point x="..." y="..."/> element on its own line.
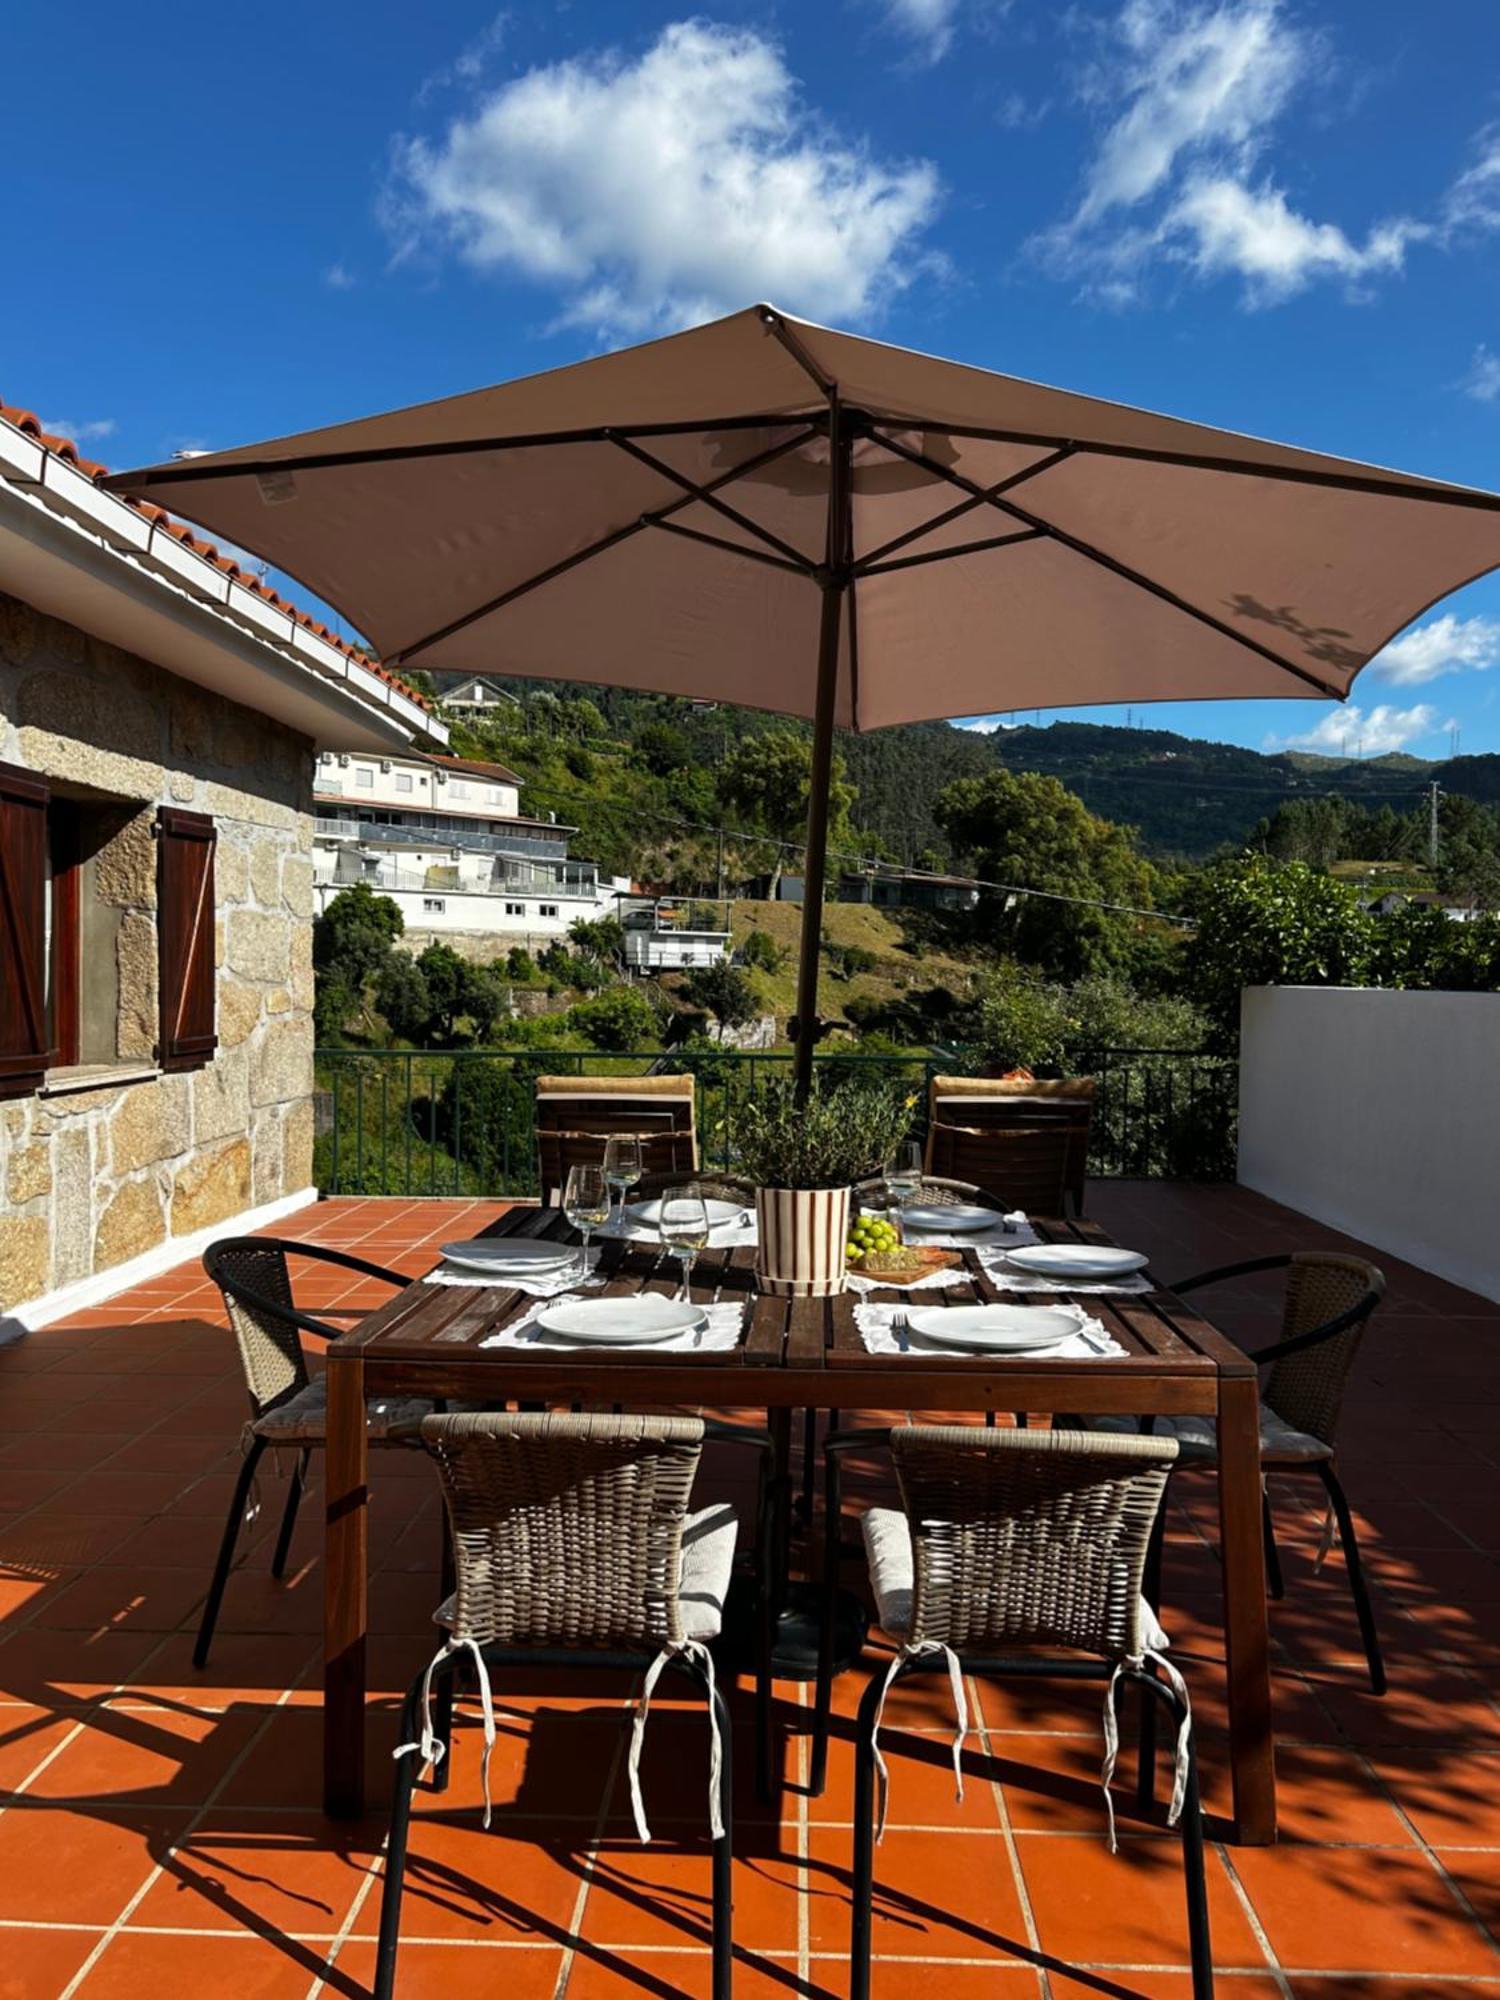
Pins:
<point x="161" y="1830"/>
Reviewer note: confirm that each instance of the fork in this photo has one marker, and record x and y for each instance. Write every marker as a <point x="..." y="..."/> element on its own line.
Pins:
<point x="899" y="1331"/>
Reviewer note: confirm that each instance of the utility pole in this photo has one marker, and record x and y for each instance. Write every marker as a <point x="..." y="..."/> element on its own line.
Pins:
<point x="1436" y="792"/>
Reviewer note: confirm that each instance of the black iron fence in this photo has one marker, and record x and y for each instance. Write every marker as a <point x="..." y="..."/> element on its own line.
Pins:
<point x="422" y="1122"/>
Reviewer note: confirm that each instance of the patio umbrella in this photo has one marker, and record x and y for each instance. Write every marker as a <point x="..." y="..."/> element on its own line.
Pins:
<point x="766" y="512"/>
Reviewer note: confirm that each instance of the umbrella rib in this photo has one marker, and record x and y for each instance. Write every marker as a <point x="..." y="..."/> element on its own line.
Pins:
<point x="774" y="323"/>
<point x="599" y="547"/>
<point x="706" y="494"/>
<point x="1117" y="568"/>
<point x="954" y="513"/>
<point x="958" y="549"/>
<point x="719" y="542"/>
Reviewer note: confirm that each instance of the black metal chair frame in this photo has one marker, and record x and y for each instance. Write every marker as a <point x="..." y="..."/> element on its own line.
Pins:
<point x="1022" y="1667"/>
<point x="1354" y="1316"/>
<point x="304" y="1322"/>
<point x="408" y="1768"/>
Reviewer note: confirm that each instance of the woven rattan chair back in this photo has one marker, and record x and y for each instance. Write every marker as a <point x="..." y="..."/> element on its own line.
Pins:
<point x="566" y="1530"/>
<point x="270" y="1347"/>
<point x="1014" y="1104"/>
<point x="713" y="1186"/>
<point x="933" y="1193"/>
<point x="1029" y="1537"/>
<point x="1022" y="1168"/>
<point x="663" y="1154"/>
<point x="1306" y="1390"/>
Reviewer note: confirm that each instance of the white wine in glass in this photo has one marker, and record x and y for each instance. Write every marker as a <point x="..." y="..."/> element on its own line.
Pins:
<point x="622" y="1168"/>
<point x="684" y="1228"/>
<point x="586" y="1205"/>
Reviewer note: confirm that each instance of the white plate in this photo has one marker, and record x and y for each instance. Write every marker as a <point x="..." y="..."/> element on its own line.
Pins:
<point x="939" y="1221"/>
<point x="623" y="1322"/>
<point x="510" y="1253"/>
<point x="721" y="1214"/>
<point x="1076" y="1260"/>
<point x="994" y="1329"/>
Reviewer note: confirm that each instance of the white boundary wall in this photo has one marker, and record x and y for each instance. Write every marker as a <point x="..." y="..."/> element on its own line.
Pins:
<point x="1378" y="1112"/>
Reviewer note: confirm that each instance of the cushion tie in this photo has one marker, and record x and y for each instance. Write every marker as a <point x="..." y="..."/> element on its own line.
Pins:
<point x="429" y="1745"/>
<point x="692" y="1649"/>
<point x="1137" y="1662"/>
<point x="961" y="1717"/>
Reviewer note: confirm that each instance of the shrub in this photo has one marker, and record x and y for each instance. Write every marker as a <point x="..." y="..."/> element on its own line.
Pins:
<point x="842" y="1133"/>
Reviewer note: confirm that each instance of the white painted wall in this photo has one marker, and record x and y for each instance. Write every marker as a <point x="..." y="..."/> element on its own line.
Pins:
<point x="1379" y="1113"/>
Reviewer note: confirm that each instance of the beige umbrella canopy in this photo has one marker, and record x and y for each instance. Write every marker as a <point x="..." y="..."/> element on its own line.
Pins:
<point x="767" y="512"/>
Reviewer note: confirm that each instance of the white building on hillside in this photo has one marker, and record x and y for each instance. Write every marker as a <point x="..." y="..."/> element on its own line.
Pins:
<point x="673" y="934"/>
<point x="445" y="839"/>
<point x="477" y="696"/>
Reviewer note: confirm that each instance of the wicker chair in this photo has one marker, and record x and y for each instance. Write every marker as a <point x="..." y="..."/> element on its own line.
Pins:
<point x="1328" y="1303"/>
<point x="585" y="1111"/>
<point x="933" y="1193"/>
<point x="1020" y="1168"/>
<point x="1021" y="1104"/>
<point x="287" y="1405"/>
<point x="1007" y="1541"/>
<point x="573" y="1545"/>
<point x="558" y="1152"/>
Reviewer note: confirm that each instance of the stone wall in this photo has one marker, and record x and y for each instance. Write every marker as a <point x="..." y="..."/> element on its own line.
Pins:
<point x="92" y="1177"/>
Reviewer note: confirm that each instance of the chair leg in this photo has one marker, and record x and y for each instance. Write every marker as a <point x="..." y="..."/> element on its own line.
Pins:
<point x="1363" y="1609"/>
<point x="805" y="1498"/>
<point x="1274" y="1579"/>
<point x="226" y="1552"/>
<point x="408" y="1769"/>
<point x="723" y="1954"/>
<point x="1200" y="1947"/>
<point x="863" y="1885"/>
<point x="289" y="1517"/>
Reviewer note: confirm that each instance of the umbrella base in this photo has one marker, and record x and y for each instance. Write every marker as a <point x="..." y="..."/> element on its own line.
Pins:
<point x="794" y="1645"/>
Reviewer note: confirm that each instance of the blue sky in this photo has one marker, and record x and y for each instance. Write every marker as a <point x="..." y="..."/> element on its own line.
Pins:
<point x="1282" y="216"/>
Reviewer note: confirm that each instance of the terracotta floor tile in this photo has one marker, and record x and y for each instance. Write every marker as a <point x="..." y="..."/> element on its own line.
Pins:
<point x="1314" y="1987"/>
<point x="37" y="1963"/>
<point x="1361" y="1910"/>
<point x="1126" y="1908"/>
<point x="1478" y="1876"/>
<point x="1438" y="1710"/>
<point x="1452" y="1797"/>
<point x="27" y="1735"/>
<point x="1325" y="1794"/>
<point x="124" y="1599"/>
<point x="43" y="1666"/>
<point x="600" y="1974"/>
<point x="464" y="1972"/>
<point x="293" y="1872"/>
<point x="662" y="1895"/>
<point x="922" y="1786"/>
<point x="58" y="1865"/>
<point x="242" y="1666"/>
<point x="937" y="1895"/>
<point x="147" y="1756"/>
<point x="1114" y="1985"/>
<point x="505" y="1885"/>
<point x="238" y="1968"/>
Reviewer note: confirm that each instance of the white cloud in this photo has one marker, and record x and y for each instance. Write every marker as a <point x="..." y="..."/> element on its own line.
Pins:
<point x="1445" y="645"/>
<point x="661" y="191"/>
<point x="1350" y="732"/>
<point x="339" y="278"/>
<point x="986" y="725"/>
<point x="928" y="24"/>
<point x="97" y="427"/>
<point x="1483" y="379"/>
<point x="1473" y="201"/>
<point x="1225" y="227"/>
<point x="469" y="65"/>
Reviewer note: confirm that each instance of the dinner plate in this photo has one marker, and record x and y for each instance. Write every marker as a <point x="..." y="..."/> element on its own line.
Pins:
<point x="994" y="1329"/>
<point x="954" y="1221"/>
<point x="721" y="1214"/>
<point x="1076" y="1260"/>
<point x="623" y="1322"/>
<point x="504" y="1254"/>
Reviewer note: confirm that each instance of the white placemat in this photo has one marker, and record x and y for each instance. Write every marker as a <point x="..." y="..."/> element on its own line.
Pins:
<point x="935" y="1281"/>
<point x="728" y="1235"/>
<point x="1090" y="1343"/>
<point x="553" y="1285"/>
<point x="1008" y="1231"/>
<point x="726" y="1324"/>
<point x="1009" y="1279"/>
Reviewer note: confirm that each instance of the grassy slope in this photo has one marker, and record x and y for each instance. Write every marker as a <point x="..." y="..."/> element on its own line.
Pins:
<point x="845" y="924"/>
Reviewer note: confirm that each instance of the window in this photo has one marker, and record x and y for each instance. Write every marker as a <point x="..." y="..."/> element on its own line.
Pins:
<point x="364" y="775"/>
<point x="515" y="909"/>
<point x="433" y="906"/>
<point x="546" y="909"/>
<point x="403" y="781"/>
<point x="458" y="788"/>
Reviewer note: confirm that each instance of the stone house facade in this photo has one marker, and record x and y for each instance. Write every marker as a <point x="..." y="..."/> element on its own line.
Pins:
<point x="156" y="979"/>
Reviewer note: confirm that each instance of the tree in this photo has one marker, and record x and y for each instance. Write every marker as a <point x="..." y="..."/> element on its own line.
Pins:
<point x="620" y="1019"/>
<point x="764" y="783"/>
<point x="723" y="991"/>
<point x="598" y="937"/>
<point x="662" y="748"/>
<point x="1265" y="923"/>
<point x="401" y="995"/>
<point x="761" y="949"/>
<point x="355" y="933"/>
<point x="1031" y="832"/>
<point x="520" y="965"/>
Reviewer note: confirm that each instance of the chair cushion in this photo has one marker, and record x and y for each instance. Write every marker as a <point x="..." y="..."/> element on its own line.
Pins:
<point x="1199" y="1443"/>
<point x="888" y="1552"/>
<point x="708" y="1539"/>
<point x="303" y="1418"/>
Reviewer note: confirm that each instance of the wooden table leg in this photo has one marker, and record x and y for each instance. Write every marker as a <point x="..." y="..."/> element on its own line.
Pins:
<point x="1252" y="1747"/>
<point x="345" y="1615"/>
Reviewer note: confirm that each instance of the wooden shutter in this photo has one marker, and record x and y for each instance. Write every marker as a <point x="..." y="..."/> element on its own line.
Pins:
<point x="185" y="935"/>
<point x="25" y="1051"/>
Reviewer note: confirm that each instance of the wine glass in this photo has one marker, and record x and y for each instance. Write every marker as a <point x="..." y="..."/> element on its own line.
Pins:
<point x="622" y="1168"/>
<point x="586" y="1205"/>
<point x="903" y="1175"/>
<point x="684" y="1228"/>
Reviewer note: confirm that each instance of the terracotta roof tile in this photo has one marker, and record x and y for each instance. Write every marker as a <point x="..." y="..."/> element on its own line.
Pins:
<point x="65" y="449"/>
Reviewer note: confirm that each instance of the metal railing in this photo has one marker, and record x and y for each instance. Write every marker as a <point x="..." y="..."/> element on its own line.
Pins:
<point x="438" y="1122"/>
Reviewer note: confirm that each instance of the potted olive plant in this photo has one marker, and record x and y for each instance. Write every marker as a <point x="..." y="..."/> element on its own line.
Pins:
<point x="803" y="1160"/>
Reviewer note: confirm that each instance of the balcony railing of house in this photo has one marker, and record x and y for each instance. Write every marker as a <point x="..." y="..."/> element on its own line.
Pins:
<point x="419" y="1122"/>
<point x="416" y="833"/>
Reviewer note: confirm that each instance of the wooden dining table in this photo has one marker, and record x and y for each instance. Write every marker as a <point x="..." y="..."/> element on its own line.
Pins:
<point x="795" y="1354"/>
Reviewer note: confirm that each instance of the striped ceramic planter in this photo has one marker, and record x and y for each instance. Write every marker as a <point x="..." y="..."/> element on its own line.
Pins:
<point x="803" y="1234"/>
